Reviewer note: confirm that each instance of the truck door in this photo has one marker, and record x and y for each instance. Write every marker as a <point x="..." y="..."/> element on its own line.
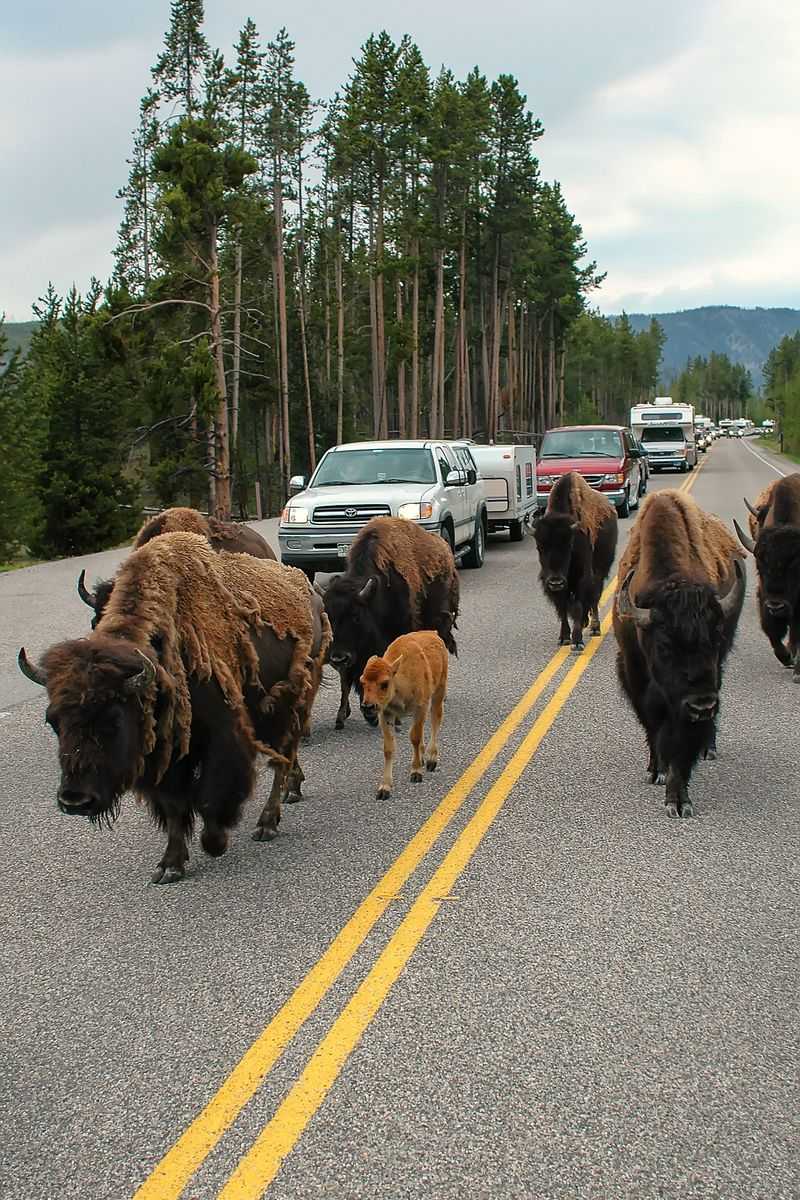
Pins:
<point x="456" y="496"/>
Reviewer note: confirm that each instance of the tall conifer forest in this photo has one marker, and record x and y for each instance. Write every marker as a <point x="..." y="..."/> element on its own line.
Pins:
<point x="290" y="274"/>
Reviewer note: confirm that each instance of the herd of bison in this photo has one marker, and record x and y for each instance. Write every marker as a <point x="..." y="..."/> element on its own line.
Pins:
<point x="205" y="653"/>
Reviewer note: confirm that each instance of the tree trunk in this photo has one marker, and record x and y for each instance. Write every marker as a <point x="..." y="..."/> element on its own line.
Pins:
<point x="437" y="398"/>
<point x="415" y="344"/>
<point x="401" y="368"/>
<point x="562" y="366"/>
<point x="301" y="306"/>
<point x="237" y="350"/>
<point x="339" y="348"/>
<point x="286" y="455"/>
<point x="380" y="328"/>
<point x="222" y="470"/>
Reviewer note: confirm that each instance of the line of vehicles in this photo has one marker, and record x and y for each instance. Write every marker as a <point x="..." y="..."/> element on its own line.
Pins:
<point x="464" y="491"/>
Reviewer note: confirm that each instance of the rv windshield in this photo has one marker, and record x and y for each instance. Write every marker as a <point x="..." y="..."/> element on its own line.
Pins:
<point x="581" y="443"/>
<point x="400" y="464"/>
<point x="670" y="434"/>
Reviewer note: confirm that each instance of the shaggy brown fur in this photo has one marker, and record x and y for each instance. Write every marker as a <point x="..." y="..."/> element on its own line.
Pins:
<point x="703" y="554"/>
<point x="223" y="535"/>
<point x="199" y="607"/>
<point x="572" y="495"/>
<point x="416" y="554"/>
<point x="762" y="501"/>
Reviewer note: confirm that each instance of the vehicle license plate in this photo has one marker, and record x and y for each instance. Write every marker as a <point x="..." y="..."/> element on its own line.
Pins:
<point x="343" y="549"/>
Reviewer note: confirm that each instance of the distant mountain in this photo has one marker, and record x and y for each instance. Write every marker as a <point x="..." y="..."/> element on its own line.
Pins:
<point x="18" y="334"/>
<point x="746" y="335"/>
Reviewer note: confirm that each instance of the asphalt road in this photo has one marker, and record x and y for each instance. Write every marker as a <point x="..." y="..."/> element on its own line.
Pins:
<point x="563" y="994"/>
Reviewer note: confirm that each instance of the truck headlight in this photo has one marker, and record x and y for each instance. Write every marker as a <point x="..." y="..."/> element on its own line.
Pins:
<point x="416" y="512"/>
<point x="294" y="515"/>
<point x="545" y="480"/>
<point x="617" y="477"/>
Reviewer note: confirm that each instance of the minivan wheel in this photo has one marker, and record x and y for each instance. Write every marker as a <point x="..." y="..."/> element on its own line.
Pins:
<point x="475" y="555"/>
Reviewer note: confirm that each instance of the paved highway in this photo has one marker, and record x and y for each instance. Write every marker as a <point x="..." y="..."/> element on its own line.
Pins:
<point x="519" y="979"/>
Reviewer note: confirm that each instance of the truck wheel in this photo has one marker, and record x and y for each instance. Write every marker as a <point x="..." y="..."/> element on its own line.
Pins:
<point x="624" y="510"/>
<point x="515" y="531"/>
<point x="446" y="533"/>
<point x="474" y="556"/>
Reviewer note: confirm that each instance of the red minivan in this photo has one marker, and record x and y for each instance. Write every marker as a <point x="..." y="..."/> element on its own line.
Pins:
<point x="607" y="456"/>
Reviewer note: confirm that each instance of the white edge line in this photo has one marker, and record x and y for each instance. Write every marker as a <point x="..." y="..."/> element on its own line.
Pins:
<point x="755" y="454"/>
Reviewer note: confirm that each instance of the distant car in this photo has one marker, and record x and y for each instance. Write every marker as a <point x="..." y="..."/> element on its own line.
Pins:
<point x="608" y="457"/>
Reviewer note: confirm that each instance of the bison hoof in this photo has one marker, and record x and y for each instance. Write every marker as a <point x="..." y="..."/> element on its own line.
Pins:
<point x="686" y="809"/>
<point x="431" y="764"/>
<point x="796" y="677"/>
<point x="293" y="797"/>
<point x="595" y="631"/>
<point x="658" y="778"/>
<point x="370" y="718"/>
<point x="265" y="833"/>
<point x="578" y="646"/>
<point x="383" y="793"/>
<point x="166" y="874"/>
<point x="672" y="809"/>
<point x="711" y="754"/>
<point x="416" y="776"/>
<point x="564" y="641"/>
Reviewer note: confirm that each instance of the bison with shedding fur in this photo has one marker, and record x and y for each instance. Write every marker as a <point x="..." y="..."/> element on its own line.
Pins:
<point x="681" y="586"/>
<point x="221" y="535"/>
<point x="577" y="540"/>
<point x="200" y="662"/>
<point x="399" y="578"/>
<point x="775" y="545"/>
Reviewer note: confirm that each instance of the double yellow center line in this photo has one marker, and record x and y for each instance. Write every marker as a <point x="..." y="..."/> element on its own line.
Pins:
<point x="260" y="1165"/>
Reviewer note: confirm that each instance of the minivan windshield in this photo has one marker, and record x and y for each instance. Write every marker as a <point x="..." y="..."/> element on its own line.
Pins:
<point x="670" y="434"/>
<point x="581" y="443"/>
<point x="387" y="464"/>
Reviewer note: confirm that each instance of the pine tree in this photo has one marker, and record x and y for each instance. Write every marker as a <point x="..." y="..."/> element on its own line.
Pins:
<point x="180" y="66"/>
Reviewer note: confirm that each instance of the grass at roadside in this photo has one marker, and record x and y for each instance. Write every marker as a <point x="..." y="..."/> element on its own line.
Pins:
<point x="771" y="443"/>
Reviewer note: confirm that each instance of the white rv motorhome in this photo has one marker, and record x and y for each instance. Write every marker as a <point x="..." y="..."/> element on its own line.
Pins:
<point x="666" y="430"/>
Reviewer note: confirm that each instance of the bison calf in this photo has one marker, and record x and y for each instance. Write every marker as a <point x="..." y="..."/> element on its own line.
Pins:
<point x="410" y="678"/>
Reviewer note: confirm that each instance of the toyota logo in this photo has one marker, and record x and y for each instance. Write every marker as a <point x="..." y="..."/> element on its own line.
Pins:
<point x="351" y="512"/>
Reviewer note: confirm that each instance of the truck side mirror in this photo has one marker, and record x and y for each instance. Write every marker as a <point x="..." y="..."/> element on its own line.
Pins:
<point x="455" y="479"/>
<point x="296" y="484"/>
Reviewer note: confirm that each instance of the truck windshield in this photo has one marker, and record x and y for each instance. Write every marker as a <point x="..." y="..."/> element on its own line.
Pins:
<point x="413" y="464"/>
<point x="581" y="443"/>
<point x="670" y="434"/>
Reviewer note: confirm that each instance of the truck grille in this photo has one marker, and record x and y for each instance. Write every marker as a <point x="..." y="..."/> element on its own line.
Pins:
<point x="593" y="480"/>
<point x="349" y="514"/>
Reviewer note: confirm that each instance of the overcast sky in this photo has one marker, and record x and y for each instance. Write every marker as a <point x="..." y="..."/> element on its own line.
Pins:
<point x="673" y="127"/>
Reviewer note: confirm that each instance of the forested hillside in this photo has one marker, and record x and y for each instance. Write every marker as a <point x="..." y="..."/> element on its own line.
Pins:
<point x="291" y="273"/>
<point x="745" y="335"/>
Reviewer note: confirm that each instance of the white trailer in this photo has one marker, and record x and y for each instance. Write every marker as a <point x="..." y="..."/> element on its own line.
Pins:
<point x="666" y="430"/>
<point x="509" y="480"/>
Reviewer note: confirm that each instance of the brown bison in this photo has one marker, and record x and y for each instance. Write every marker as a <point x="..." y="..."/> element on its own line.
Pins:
<point x="681" y="586"/>
<point x="577" y="540"/>
<point x="399" y="578"/>
<point x="222" y="535"/>
<point x="411" y="677"/>
<point x="775" y="545"/>
<point x="200" y="661"/>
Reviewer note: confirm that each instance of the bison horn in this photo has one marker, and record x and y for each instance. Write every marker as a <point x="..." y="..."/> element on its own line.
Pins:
<point x="86" y="596"/>
<point x="744" y="538"/>
<point x="626" y="607"/>
<point x="30" y="670"/>
<point x="367" y="590"/>
<point x="750" y="508"/>
<point x="142" y="679"/>
<point x="729" y="603"/>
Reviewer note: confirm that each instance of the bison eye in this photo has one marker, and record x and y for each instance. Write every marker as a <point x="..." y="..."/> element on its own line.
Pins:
<point x="384" y="685"/>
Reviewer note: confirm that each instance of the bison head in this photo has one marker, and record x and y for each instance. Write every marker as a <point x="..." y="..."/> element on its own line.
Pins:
<point x="554" y="534"/>
<point x="377" y="683"/>
<point x="682" y="632"/>
<point x="777" y="555"/>
<point x="352" y="606"/>
<point x="94" y="687"/>
<point x="98" y="599"/>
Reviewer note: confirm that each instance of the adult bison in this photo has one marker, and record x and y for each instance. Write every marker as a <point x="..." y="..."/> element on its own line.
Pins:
<point x="399" y="578"/>
<point x="577" y="540"/>
<point x="775" y="545"/>
<point x="199" y="662"/>
<point x="221" y="535"/>
<point x="681" y="587"/>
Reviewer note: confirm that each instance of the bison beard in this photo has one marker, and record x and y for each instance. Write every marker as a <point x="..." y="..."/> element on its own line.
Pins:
<point x="200" y="662"/>
<point x="399" y="578"/>
<point x="576" y="540"/>
<point x="674" y="639"/>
